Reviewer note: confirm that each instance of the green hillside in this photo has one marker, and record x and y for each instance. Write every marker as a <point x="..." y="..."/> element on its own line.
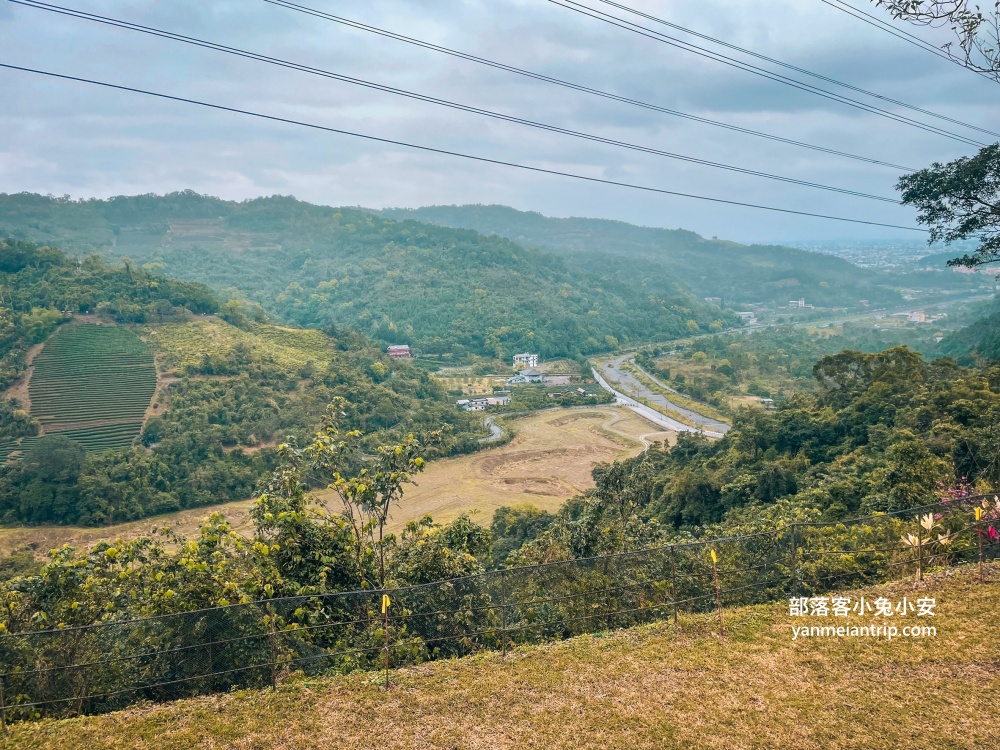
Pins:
<point x="446" y="291"/>
<point x="980" y="340"/>
<point x="711" y="268"/>
<point x="96" y="381"/>
<point x="231" y="391"/>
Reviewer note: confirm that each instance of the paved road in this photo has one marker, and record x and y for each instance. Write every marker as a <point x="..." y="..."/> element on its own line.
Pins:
<point x="635" y="387"/>
<point x="652" y="415"/>
<point x="495" y="432"/>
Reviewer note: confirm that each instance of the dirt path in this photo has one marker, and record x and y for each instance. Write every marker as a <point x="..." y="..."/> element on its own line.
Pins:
<point x="19" y="390"/>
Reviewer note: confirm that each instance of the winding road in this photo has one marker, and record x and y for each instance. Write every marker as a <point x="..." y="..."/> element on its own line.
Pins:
<point x="495" y="432"/>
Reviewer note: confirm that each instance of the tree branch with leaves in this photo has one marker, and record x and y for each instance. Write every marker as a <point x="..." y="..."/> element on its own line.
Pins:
<point x="959" y="200"/>
<point x="977" y="33"/>
<point x="369" y="492"/>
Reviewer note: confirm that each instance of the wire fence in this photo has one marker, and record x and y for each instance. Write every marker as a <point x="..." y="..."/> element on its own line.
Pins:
<point x="107" y="666"/>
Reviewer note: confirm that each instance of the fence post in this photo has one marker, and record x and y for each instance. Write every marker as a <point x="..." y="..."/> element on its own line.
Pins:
<point x="793" y="565"/>
<point x="386" y="603"/>
<point x="272" y="639"/>
<point x="673" y="580"/>
<point x="718" y="591"/>
<point x="503" y="611"/>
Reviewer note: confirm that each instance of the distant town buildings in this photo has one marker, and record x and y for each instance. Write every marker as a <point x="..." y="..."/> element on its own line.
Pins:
<point x="399" y="351"/>
<point x="714" y="301"/>
<point x="526" y="360"/>
<point x="919" y="316"/>
<point x="800" y="304"/>
<point x="749" y="318"/>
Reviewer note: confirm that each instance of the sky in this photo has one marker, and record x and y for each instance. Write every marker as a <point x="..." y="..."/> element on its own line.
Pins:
<point x="67" y="138"/>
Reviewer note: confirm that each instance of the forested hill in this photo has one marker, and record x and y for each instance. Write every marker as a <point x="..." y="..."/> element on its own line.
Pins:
<point x="980" y="340"/>
<point x="96" y="433"/>
<point x="711" y="268"/>
<point x="444" y="290"/>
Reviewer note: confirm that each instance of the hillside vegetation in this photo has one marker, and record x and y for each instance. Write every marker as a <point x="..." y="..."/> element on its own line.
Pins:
<point x="980" y="340"/>
<point x="229" y="391"/>
<point x="449" y="292"/>
<point x="736" y="273"/>
<point x="649" y="687"/>
<point x="92" y="383"/>
<point x="729" y="370"/>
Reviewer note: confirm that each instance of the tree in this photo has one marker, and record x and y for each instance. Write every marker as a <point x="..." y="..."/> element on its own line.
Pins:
<point x="624" y="487"/>
<point x="978" y="34"/>
<point x="960" y="200"/>
<point x="55" y="458"/>
<point x="369" y="491"/>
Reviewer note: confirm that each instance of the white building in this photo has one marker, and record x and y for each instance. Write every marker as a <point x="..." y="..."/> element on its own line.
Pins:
<point x="525" y="360"/>
<point x="479" y="403"/>
<point x="527" y="376"/>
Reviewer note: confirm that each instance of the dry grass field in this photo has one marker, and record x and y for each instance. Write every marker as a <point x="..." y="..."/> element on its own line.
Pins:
<point x="547" y="462"/>
<point x="653" y="687"/>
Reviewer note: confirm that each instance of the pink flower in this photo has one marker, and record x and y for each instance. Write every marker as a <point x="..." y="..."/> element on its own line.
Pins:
<point x="993" y="534"/>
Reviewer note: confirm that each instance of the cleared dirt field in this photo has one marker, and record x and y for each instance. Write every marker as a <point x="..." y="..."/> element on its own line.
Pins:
<point x="548" y="461"/>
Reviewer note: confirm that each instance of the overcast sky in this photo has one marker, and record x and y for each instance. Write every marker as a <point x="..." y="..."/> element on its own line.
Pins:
<point x="69" y="138"/>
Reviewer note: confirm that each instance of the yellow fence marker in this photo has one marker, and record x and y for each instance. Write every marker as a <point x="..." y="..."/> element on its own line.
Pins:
<point x="979" y="537"/>
<point x="386" y="603"/>
<point x="718" y="591"/>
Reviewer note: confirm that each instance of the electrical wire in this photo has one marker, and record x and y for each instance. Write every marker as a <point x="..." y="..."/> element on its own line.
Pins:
<point x="574" y="86"/>
<point x="756" y="70"/>
<point x="798" y="69"/>
<point x="448" y="152"/>
<point x="906" y="36"/>
<point x="438" y="101"/>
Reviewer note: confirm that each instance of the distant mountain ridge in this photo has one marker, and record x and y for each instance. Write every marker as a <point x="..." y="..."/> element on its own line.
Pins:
<point x="447" y="291"/>
<point x="738" y="274"/>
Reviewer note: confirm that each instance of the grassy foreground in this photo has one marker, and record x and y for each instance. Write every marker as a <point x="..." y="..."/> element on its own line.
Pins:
<point x="649" y="687"/>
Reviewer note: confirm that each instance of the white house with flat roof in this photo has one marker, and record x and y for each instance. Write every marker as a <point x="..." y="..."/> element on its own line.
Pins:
<point x="526" y="360"/>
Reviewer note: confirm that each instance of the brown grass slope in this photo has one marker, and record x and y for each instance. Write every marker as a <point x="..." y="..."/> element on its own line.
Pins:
<point x="649" y="687"/>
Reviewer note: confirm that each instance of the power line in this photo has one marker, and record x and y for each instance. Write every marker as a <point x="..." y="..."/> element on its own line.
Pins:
<point x="570" y="85"/>
<point x="446" y="152"/>
<point x="798" y="69"/>
<point x="756" y="70"/>
<point x="906" y="36"/>
<point x="441" y="102"/>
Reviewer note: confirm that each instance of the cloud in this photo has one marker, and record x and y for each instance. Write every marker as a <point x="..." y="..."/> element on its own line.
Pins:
<point x="69" y="138"/>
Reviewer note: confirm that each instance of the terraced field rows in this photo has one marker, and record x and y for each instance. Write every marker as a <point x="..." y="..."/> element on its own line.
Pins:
<point x="93" y="384"/>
